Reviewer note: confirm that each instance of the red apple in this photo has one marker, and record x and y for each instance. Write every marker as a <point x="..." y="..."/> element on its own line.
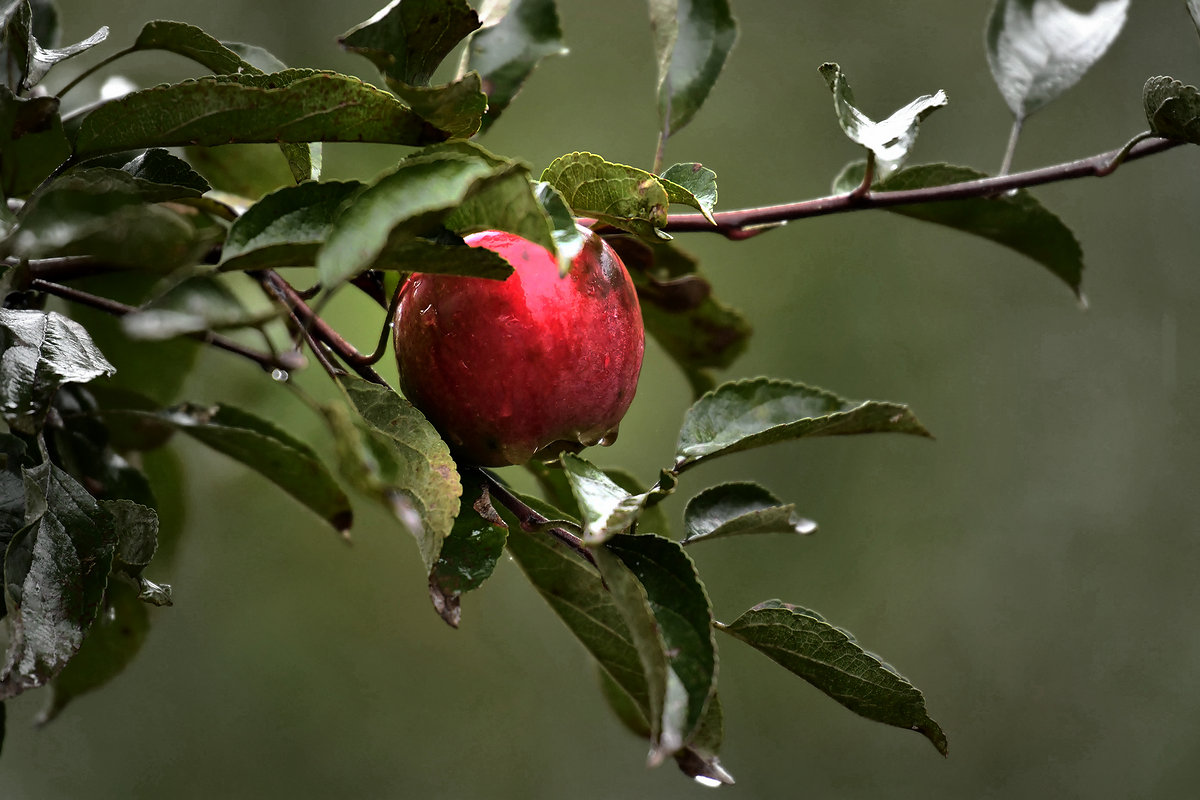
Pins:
<point x="525" y="367"/>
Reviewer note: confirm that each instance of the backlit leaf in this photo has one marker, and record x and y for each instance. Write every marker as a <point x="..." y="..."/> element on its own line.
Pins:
<point x="607" y="508"/>
<point x="469" y="554"/>
<point x="408" y="39"/>
<point x="621" y="196"/>
<point x="693" y="185"/>
<point x="691" y="41"/>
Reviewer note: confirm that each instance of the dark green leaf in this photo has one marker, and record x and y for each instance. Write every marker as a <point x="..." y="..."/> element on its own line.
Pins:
<point x="410" y="201"/>
<point x="286" y="227"/>
<point x="246" y="171"/>
<point x="696" y="330"/>
<point x="14" y="458"/>
<point x="394" y="454"/>
<point x="469" y="553"/>
<point x="1016" y="220"/>
<point x="1037" y="49"/>
<point x="55" y="572"/>
<point x="16" y="43"/>
<point x="422" y="255"/>
<point x="291" y="106"/>
<point x="733" y="509"/>
<point x="32" y="142"/>
<point x="196" y="304"/>
<point x="691" y="41"/>
<point x="607" y="508"/>
<point x="890" y="140"/>
<point x="157" y="167"/>
<point x="110" y="645"/>
<point x="827" y="657"/>
<point x="621" y="196"/>
<point x="39" y="352"/>
<point x="699" y="759"/>
<point x="409" y="38"/>
<point x="692" y="185"/>
<point x="509" y="46"/>
<point x="456" y="108"/>
<point x="626" y="710"/>
<point x="752" y="413"/>
<point x="1172" y="108"/>
<point x="136" y="527"/>
<point x="285" y="461"/>
<point x="682" y="615"/>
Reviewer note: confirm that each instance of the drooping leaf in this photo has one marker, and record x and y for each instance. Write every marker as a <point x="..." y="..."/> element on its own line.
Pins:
<point x="682" y="614"/>
<point x="109" y="646"/>
<point x="22" y="36"/>
<point x="1172" y="108"/>
<point x="224" y="58"/>
<point x="1017" y="220"/>
<point x="733" y="509"/>
<point x="515" y="36"/>
<point x="55" y="572"/>
<point x="699" y="759"/>
<point x="621" y="196"/>
<point x="890" y="140"/>
<point x="39" y="352"/>
<point x="1037" y="49"/>
<point x="42" y="60"/>
<point x="692" y="185"/>
<point x="157" y="167"/>
<point x="287" y="227"/>
<point x="32" y="142"/>
<point x="753" y="413"/>
<point x="469" y="553"/>
<point x="607" y="509"/>
<point x="827" y="657"/>
<point x="408" y="39"/>
<point x="394" y="454"/>
<point x="698" y="332"/>
<point x="691" y="41"/>
<point x="279" y="457"/>
<point x="567" y="235"/>
<point x="137" y="528"/>
<point x="292" y="106"/>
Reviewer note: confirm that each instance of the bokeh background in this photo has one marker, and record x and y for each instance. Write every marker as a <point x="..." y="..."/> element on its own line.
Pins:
<point x="1033" y="570"/>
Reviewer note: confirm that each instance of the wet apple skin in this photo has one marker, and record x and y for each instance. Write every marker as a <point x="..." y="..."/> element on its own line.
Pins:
<point x="529" y="366"/>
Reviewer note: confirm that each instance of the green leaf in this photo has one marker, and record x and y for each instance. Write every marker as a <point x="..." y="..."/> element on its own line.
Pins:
<point x="1016" y="220"/>
<point x="137" y="541"/>
<point x="292" y="106"/>
<point x="410" y="201"/>
<point x="1172" y="108"/>
<point x="158" y="168"/>
<point x="566" y="232"/>
<point x="469" y="554"/>
<point x="26" y="61"/>
<point x="194" y="305"/>
<point x="607" y="509"/>
<point x="734" y="509"/>
<point x="699" y="759"/>
<point x="1037" y="49"/>
<point x="224" y="58"/>
<point x="515" y="36"/>
<point x="691" y="42"/>
<point x="32" y="142"/>
<point x="456" y="108"/>
<point x="14" y="458"/>
<point x="697" y="331"/>
<point x="247" y="171"/>
<point x="394" y="454"/>
<point x="652" y="518"/>
<point x="827" y="657"/>
<point x="280" y="458"/>
<point x="692" y="185"/>
<point x="422" y="255"/>
<point x="39" y="352"/>
<point x="102" y="213"/>
<point x="55" y="572"/>
<point x="682" y="614"/>
<point x="890" y="140"/>
<point x="408" y="39"/>
<point x="110" y="645"/>
<point x="287" y="227"/>
<point x="621" y="196"/>
<point x="753" y="413"/>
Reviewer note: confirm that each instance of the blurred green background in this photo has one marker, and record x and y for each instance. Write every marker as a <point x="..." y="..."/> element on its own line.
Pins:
<point x="1033" y="571"/>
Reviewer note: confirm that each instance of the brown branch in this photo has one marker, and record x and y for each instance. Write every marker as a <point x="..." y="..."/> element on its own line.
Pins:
<point x="530" y="519"/>
<point x="738" y="224"/>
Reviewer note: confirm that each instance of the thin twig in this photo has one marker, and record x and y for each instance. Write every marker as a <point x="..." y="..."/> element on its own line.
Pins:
<point x="285" y="361"/>
<point x="530" y="519"/>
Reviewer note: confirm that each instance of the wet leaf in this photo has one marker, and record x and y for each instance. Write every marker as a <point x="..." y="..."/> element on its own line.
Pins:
<point x="110" y="645"/>
<point x="286" y="227"/>
<point x="1037" y="49"/>
<point x="1172" y="108"/>
<point x="692" y="185"/>
<point x="280" y="458"/>
<point x="469" y="554"/>
<point x="39" y="352"/>
<point x="607" y="508"/>
<point x="734" y="509"/>
<point x="621" y="196"/>
<point x="691" y="42"/>
<point x="42" y="60"/>
<point x="827" y="657"/>
<point x="392" y="452"/>
<point x="890" y="140"/>
<point x="55" y="572"/>
<point x="1017" y="220"/>
<point x="407" y="40"/>
<point x="515" y="36"/>
<point x="14" y="459"/>
<point x="297" y="105"/>
<point x="32" y="142"/>
<point x="753" y="413"/>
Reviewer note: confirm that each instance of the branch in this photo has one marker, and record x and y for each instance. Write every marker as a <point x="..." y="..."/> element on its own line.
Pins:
<point x="744" y="222"/>
<point x="531" y="520"/>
